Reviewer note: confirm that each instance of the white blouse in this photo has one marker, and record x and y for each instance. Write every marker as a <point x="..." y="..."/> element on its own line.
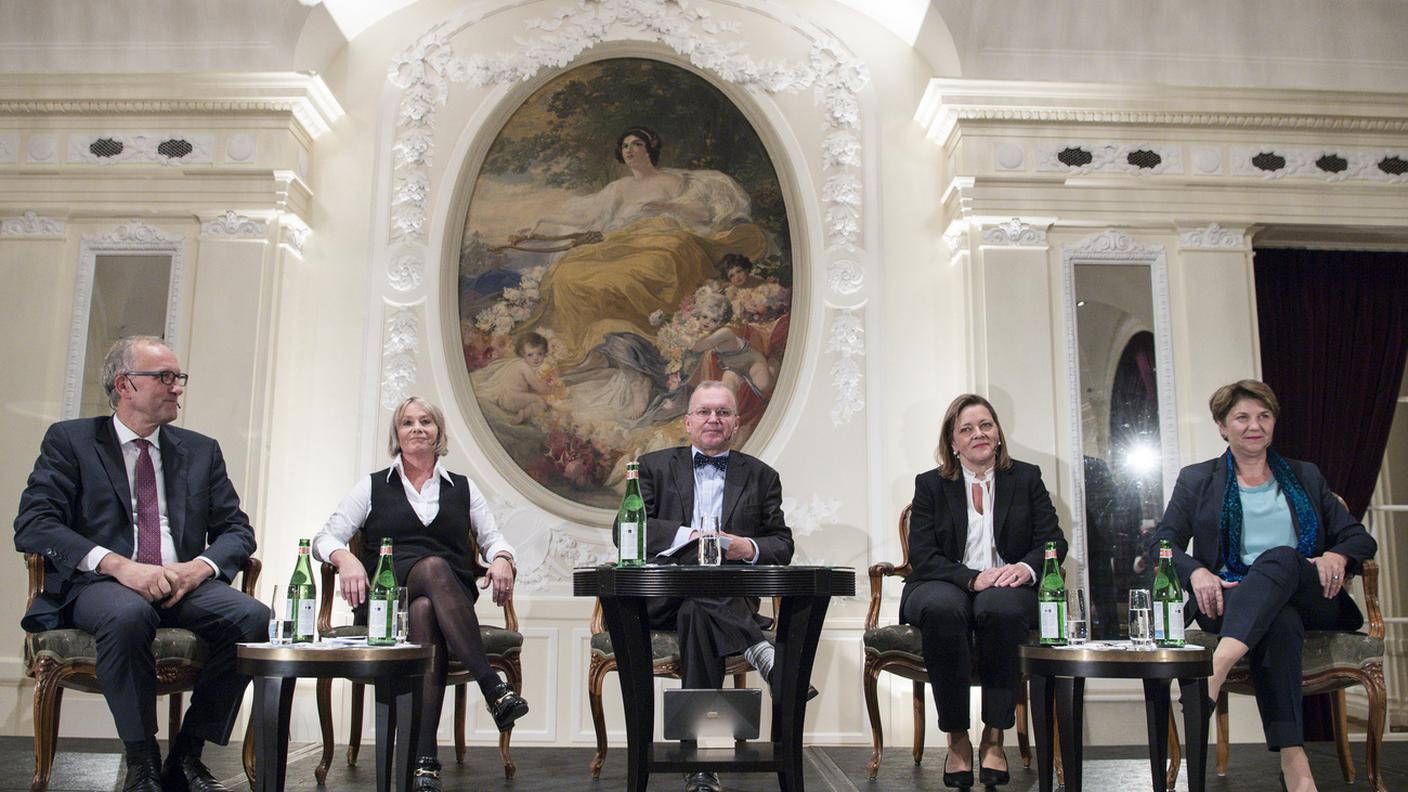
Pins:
<point x="351" y="514"/>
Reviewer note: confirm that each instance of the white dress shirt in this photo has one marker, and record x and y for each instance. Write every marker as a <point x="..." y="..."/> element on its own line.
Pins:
<point x="126" y="439"/>
<point x="980" y="551"/>
<point x="351" y="514"/>
<point x="708" y="502"/>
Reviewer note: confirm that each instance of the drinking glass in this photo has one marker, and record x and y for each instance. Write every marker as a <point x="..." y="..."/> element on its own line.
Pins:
<point x="1141" y="632"/>
<point x="403" y="613"/>
<point x="710" y="553"/>
<point x="1077" y="619"/>
<point x="280" y="626"/>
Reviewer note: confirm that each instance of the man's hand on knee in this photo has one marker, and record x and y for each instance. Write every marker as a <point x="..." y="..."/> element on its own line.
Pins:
<point x="149" y="580"/>
<point x="184" y="577"/>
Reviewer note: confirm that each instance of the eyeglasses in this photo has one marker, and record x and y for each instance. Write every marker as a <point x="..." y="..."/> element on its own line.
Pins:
<point x="703" y="413"/>
<point x="165" y="377"/>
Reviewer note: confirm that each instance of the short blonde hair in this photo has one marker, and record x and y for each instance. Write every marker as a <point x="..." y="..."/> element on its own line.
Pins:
<point x="946" y="457"/>
<point x="1225" y="398"/>
<point x="393" y="443"/>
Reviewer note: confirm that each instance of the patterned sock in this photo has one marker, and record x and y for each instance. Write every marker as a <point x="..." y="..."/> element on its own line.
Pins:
<point x="760" y="656"/>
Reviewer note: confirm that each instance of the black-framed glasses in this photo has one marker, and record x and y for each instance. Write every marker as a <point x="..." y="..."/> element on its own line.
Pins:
<point x="703" y="413"/>
<point x="166" y="377"/>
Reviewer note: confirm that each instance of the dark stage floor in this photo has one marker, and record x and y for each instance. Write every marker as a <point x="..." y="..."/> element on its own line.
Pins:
<point x="95" y="765"/>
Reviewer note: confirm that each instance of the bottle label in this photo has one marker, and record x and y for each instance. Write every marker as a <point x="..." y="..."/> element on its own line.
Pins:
<point x="1175" y="622"/>
<point x="1160" y="622"/>
<point x="304" y="549"/>
<point x="1049" y="553"/>
<point x="307" y="618"/>
<point x="386" y="549"/>
<point x="376" y="619"/>
<point x="1051" y="622"/>
<point x="1166" y="552"/>
<point x="632" y="474"/>
<point x="627" y="533"/>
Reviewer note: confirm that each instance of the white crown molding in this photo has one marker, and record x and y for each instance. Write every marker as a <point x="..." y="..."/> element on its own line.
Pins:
<point x="9" y="147"/>
<point x="1109" y="157"/>
<point x="132" y="237"/>
<point x="140" y="147"/>
<point x="233" y="225"/>
<point x="33" y="226"/>
<point x="1358" y="164"/>
<point x="1212" y="237"/>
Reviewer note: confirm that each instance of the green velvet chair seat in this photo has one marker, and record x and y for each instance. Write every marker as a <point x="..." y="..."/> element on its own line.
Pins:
<point x="1323" y="650"/>
<point x="172" y="647"/>
<point x="498" y="642"/>
<point x="901" y="638"/>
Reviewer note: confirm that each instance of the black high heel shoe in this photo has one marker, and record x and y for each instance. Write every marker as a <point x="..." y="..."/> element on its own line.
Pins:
<point x="961" y="779"/>
<point x="992" y="777"/>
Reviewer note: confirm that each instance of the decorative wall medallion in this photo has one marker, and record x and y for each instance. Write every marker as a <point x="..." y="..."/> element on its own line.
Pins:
<point x="398" y="370"/>
<point x="1214" y="237"/>
<point x="1109" y="157"/>
<point x="847" y="340"/>
<point x="1009" y="155"/>
<point x="1112" y="244"/>
<point x="406" y="271"/>
<point x="240" y="148"/>
<point x="9" y="147"/>
<point x="163" y="148"/>
<point x="1207" y="161"/>
<point x="956" y="237"/>
<point x="1014" y="232"/>
<point x="846" y="276"/>
<point x="133" y="232"/>
<point x="31" y="225"/>
<point x="41" y="148"/>
<point x="294" y="233"/>
<point x="233" y="225"/>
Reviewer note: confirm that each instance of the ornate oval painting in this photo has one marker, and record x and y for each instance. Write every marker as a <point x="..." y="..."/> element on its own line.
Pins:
<point x="626" y="239"/>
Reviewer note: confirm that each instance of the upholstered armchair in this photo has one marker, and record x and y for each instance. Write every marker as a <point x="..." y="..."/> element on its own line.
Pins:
<point x="502" y="644"/>
<point x="66" y="659"/>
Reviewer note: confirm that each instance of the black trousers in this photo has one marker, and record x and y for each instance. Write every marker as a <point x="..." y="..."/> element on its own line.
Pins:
<point x="125" y="625"/>
<point x="1269" y="611"/>
<point x="997" y="621"/>
<point x="710" y="630"/>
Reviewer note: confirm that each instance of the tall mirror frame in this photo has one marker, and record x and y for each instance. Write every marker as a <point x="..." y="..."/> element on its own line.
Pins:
<point x="1107" y="249"/>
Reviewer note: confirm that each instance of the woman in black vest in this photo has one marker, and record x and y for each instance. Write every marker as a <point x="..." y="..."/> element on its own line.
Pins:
<point x="428" y="513"/>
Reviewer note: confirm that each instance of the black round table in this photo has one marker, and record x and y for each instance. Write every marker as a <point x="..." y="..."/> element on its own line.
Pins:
<point x="395" y="672"/>
<point x="805" y="593"/>
<point x="1059" y="673"/>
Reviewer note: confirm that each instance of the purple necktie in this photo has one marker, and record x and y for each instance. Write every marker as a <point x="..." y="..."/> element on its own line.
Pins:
<point x="148" y="514"/>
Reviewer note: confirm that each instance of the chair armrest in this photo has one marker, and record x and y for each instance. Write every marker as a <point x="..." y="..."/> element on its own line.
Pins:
<point x="329" y="579"/>
<point x="35" y="564"/>
<point x="598" y="618"/>
<point x="1371" y="599"/>
<point x="249" y="571"/>
<point x="510" y="615"/>
<point x="878" y="573"/>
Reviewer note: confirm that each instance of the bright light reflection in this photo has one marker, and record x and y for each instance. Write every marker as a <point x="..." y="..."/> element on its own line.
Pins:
<point x="1142" y="458"/>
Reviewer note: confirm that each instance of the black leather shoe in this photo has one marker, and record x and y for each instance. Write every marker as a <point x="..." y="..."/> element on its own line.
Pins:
<point x="702" y="782"/>
<point x="426" y="777"/>
<point x="506" y="706"/>
<point x="992" y="777"/>
<point x="812" y="692"/>
<point x="187" y="774"/>
<point x="143" y="775"/>
<point x="959" y="779"/>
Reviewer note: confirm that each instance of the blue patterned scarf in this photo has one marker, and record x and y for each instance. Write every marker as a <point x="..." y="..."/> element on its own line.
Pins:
<point x="1230" y="525"/>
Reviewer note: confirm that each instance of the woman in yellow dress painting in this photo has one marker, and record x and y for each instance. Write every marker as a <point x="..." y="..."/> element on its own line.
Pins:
<point x="663" y="232"/>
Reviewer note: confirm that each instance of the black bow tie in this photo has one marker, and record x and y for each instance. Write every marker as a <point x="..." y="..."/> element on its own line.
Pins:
<point x="719" y="462"/>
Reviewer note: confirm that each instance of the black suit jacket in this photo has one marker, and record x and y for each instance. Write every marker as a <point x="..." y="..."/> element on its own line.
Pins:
<point x="1195" y="510"/>
<point x="1023" y="522"/>
<point x="78" y="497"/>
<point x="752" y="502"/>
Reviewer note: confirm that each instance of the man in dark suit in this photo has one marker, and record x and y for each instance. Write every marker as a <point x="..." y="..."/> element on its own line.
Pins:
<point x="141" y="528"/>
<point x="745" y="495"/>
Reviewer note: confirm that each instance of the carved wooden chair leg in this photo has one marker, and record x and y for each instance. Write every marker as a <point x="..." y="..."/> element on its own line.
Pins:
<point x="461" y="713"/>
<point x="1373" y="739"/>
<point x="247" y="752"/>
<point x="1024" y="746"/>
<point x="1056" y="752"/>
<point x="1175" y="749"/>
<point x="354" y="728"/>
<point x="48" y="695"/>
<point x="1340" y="715"/>
<point x="324" y="688"/>
<point x="918" y="722"/>
<point x="596" y="673"/>
<point x="514" y="671"/>
<point x="869" y="678"/>
<point x="1222" y="734"/>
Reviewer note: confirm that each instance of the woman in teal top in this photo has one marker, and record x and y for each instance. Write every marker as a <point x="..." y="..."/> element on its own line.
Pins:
<point x="1272" y="548"/>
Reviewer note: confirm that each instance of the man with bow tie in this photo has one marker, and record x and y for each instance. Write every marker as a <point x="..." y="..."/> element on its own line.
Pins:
<point x="141" y="528"/>
<point x="706" y="479"/>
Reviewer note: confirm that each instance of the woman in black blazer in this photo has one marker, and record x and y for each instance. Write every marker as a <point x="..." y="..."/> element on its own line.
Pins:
<point x="1272" y="548"/>
<point x="979" y="524"/>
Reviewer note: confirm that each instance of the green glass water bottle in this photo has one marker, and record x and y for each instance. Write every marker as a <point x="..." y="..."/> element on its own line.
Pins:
<point x="630" y="521"/>
<point x="381" y="605"/>
<point x="1168" y="601"/>
<point x="1051" y="598"/>
<point x="302" y="602"/>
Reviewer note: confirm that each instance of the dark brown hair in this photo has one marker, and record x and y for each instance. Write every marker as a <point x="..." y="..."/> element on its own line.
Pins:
<point x="946" y="456"/>
<point x="1225" y="398"/>
<point x="647" y="136"/>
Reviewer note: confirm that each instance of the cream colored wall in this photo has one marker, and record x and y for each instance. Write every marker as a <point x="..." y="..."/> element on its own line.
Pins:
<point x="288" y="347"/>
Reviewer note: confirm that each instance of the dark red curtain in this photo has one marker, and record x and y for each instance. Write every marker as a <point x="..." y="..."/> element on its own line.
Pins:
<point x="1334" y="333"/>
<point x="1334" y="328"/>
